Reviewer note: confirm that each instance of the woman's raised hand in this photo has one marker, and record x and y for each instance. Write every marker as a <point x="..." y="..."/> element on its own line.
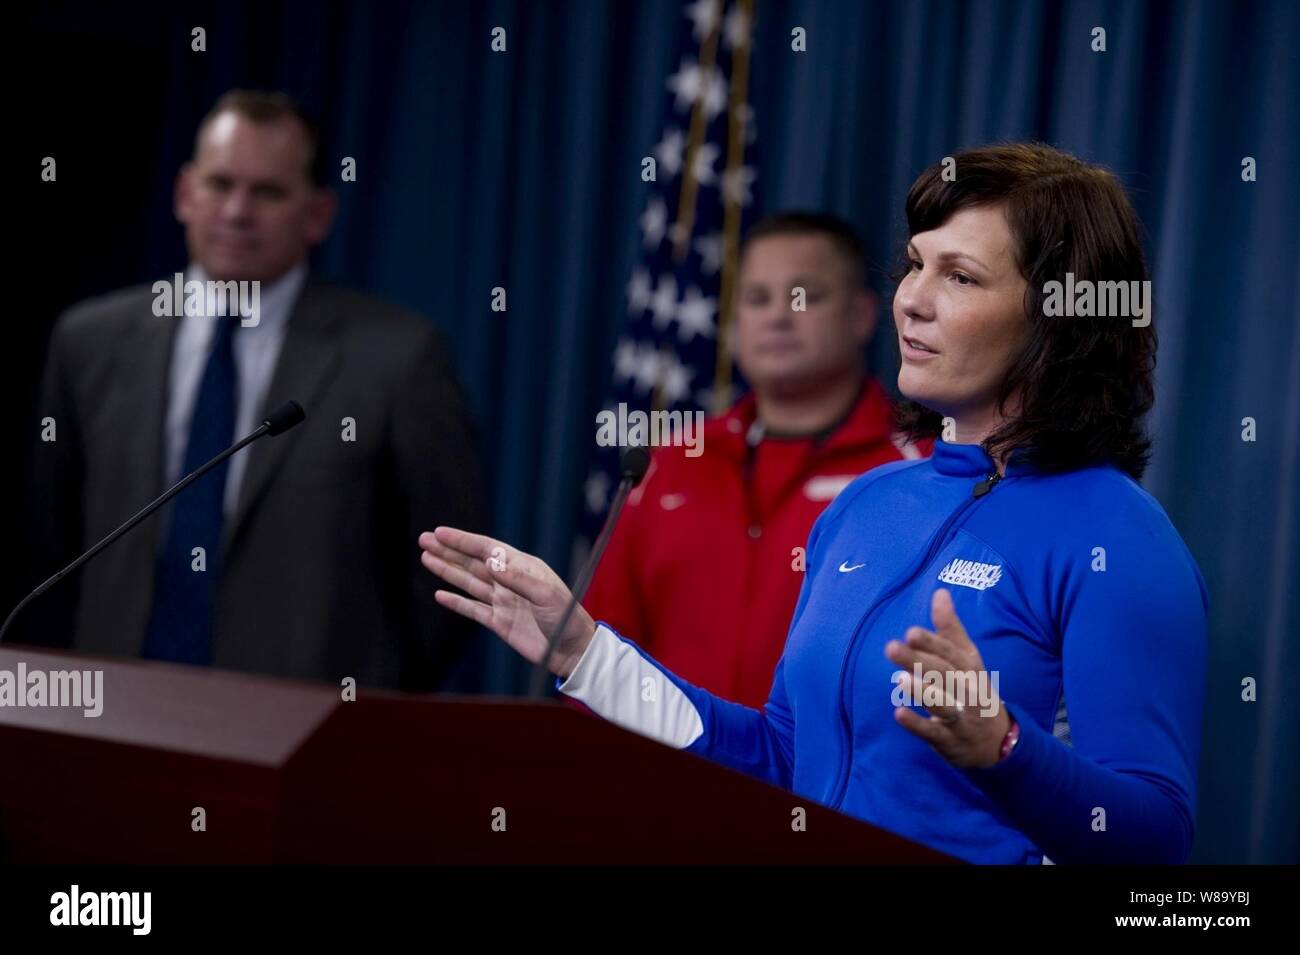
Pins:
<point x="513" y="594"/>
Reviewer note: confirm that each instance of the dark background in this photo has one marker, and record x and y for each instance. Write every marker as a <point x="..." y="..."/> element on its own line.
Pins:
<point x="478" y="169"/>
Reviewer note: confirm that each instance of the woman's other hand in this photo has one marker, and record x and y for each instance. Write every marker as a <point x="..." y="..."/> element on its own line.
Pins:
<point x="967" y="720"/>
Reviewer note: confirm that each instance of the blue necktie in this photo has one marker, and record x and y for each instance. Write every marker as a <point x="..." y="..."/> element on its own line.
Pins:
<point x="184" y="603"/>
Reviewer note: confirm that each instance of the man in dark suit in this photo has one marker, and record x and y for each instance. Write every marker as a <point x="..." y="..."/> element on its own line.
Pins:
<point x="299" y="557"/>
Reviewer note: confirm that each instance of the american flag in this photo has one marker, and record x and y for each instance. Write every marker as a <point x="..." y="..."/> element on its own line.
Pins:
<point x="672" y="354"/>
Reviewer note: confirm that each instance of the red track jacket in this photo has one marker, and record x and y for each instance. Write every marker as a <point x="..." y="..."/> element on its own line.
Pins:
<point x="705" y="566"/>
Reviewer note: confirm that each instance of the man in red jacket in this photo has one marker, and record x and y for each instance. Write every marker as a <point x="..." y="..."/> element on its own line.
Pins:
<point x="705" y="566"/>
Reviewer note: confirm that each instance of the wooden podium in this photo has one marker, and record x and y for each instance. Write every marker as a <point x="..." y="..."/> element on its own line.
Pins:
<point x="289" y="772"/>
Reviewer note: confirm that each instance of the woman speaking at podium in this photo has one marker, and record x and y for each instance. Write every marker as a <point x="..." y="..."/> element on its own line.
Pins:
<point x="1052" y="706"/>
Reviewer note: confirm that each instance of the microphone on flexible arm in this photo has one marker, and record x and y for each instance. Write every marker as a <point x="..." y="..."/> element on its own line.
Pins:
<point x="631" y="470"/>
<point x="277" y="422"/>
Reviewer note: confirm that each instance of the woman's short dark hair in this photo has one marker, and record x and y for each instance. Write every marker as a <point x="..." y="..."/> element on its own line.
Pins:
<point x="1085" y="382"/>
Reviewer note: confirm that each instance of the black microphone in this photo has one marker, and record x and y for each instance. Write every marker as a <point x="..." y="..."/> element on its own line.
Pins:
<point x="632" y="469"/>
<point x="278" y="421"/>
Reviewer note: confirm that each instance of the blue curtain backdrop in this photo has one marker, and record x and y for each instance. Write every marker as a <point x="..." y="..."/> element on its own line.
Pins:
<point x="521" y="169"/>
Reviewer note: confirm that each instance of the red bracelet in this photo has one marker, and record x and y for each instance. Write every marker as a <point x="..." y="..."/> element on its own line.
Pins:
<point x="1009" y="741"/>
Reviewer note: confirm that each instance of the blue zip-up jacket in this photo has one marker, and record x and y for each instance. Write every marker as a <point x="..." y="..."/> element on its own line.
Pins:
<point x="1078" y="593"/>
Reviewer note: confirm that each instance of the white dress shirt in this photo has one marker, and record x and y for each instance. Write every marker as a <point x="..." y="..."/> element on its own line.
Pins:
<point x="256" y="348"/>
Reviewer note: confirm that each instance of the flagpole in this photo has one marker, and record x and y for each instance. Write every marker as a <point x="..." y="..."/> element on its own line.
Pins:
<point x="731" y="212"/>
<point x="684" y="224"/>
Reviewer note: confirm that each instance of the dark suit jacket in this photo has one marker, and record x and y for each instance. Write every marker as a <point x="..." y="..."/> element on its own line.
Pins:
<point x="320" y="575"/>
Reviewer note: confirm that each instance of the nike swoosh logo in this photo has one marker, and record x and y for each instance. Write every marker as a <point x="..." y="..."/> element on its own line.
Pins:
<point x="846" y="569"/>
